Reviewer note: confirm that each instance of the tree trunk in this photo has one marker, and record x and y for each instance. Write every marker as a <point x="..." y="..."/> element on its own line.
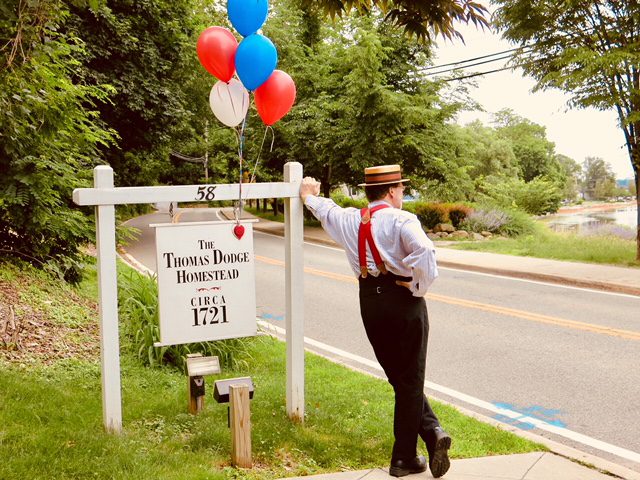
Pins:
<point x="326" y="181"/>
<point x="636" y="172"/>
<point x="634" y="151"/>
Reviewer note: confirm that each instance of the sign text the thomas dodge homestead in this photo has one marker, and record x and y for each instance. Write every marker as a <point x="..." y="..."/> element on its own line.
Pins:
<point x="206" y="282"/>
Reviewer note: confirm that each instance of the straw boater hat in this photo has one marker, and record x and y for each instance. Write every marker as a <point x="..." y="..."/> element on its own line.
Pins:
<point x="382" y="175"/>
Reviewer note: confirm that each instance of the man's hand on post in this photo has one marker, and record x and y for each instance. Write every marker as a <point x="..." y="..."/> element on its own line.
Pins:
<point x="309" y="186"/>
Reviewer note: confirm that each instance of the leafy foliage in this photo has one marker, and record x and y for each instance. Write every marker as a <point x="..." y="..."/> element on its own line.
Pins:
<point x="431" y="214"/>
<point x="457" y="213"/>
<point x="422" y="19"/>
<point x="360" y="102"/>
<point x="346" y="202"/>
<point x="49" y="136"/>
<point x="598" y="181"/>
<point x="589" y="49"/>
<point x="145" y="50"/>
<point x="537" y="197"/>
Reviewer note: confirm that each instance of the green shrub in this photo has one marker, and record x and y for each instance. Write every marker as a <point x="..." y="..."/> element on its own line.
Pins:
<point x="430" y="214"/>
<point x="139" y="312"/>
<point x="537" y="197"/>
<point x="410" y="207"/>
<point x="50" y="137"/>
<point x="345" y="202"/>
<point x="457" y="213"/>
<point x="519" y="223"/>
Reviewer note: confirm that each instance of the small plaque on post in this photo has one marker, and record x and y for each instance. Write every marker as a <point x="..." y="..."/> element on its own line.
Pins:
<point x="201" y="366"/>
<point x="221" y="388"/>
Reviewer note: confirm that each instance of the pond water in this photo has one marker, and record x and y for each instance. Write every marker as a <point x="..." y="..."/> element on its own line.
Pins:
<point x="579" y="221"/>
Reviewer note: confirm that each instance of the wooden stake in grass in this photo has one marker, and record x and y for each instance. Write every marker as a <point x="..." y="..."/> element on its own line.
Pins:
<point x="197" y="367"/>
<point x="196" y="394"/>
<point x="240" y="426"/>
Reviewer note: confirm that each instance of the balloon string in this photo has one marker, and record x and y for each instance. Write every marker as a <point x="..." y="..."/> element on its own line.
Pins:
<point x="238" y="209"/>
<point x="273" y="137"/>
<point x="239" y="140"/>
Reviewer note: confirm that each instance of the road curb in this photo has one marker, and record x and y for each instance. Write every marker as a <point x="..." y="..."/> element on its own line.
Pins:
<point x="543" y="277"/>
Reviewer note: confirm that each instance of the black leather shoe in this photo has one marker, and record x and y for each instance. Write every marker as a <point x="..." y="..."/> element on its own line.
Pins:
<point x="438" y="444"/>
<point x="400" y="468"/>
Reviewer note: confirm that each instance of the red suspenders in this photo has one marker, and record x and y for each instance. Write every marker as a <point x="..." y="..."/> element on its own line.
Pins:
<point x="365" y="236"/>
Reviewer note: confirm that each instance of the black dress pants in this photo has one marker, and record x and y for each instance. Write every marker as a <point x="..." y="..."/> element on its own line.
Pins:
<point x="397" y="325"/>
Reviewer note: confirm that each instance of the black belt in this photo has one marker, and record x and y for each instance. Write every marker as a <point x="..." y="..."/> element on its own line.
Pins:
<point x="377" y="284"/>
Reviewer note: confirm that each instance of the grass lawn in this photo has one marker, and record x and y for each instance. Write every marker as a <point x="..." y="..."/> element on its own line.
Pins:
<point x="561" y="246"/>
<point x="51" y="412"/>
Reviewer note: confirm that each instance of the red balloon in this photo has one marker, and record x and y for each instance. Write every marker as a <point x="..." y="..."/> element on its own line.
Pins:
<point x="275" y="97"/>
<point x="216" y="49"/>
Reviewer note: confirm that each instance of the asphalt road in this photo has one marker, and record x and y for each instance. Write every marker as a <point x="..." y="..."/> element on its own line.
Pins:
<point x="514" y="344"/>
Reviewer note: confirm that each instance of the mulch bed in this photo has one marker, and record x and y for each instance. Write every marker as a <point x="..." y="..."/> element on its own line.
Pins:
<point x="27" y="335"/>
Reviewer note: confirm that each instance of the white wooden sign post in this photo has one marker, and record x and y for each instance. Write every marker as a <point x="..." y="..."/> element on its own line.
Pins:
<point x="104" y="196"/>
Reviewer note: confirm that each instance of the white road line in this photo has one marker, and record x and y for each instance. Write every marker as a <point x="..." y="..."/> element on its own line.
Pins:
<point x="541" y="424"/>
<point x="128" y="258"/>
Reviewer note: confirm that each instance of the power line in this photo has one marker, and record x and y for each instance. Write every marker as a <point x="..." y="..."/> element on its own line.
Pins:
<point x="478" y="74"/>
<point x="462" y="63"/>
<point x="505" y="57"/>
<point x="433" y="67"/>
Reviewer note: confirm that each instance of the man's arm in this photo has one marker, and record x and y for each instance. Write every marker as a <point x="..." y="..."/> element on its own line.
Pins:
<point x="331" y="215"/>
<point x="421" y="258"/>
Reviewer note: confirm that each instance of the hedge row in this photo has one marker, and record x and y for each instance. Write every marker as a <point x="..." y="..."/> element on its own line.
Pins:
<point x="479" y="218"/>
<point x="429" y="213"/>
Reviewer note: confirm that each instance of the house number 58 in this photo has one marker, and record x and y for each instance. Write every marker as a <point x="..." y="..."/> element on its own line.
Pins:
<point x="206" y="193"/>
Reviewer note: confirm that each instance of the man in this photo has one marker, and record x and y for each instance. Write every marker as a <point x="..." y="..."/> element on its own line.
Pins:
<point x="395" y="264"/>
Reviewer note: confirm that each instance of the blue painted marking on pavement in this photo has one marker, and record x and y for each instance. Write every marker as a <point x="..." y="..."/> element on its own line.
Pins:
<point x="514" y="421"/>
<point x="270" y="316"/>
<point x="547" y="415"/>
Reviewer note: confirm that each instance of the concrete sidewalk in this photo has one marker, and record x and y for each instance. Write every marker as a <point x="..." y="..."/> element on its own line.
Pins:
<point x="525" y="466"/>
<point x="588" y="275"/>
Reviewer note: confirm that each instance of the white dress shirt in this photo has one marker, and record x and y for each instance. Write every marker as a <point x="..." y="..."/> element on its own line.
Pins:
<point x="404" y="247"/>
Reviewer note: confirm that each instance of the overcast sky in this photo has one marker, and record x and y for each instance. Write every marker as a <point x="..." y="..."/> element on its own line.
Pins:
<point x="576" y="133"/>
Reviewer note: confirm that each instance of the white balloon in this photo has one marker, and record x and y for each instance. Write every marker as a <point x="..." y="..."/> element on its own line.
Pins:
<point x="229" y="102"/>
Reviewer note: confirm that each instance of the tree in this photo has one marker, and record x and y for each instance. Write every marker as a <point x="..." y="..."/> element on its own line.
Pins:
<point x="49" y="137"/>
<point x="536" y="197"/>
<point x="598" y="181"/>
<point x="360" y="102"/>
<point x="572" y="171"/>
<point x="588" y="49"/>
<point x="533" y="151"/>
<point x="145" y="50"/>
<point x="424" y="19"/>
<point x="489" y="154"/>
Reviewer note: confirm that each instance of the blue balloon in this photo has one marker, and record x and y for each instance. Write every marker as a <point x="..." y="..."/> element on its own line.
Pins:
<point x="256" y="59"/>
<point x="247" y="16"/>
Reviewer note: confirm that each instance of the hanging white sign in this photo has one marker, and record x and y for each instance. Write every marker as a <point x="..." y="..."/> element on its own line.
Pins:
<point x="206" y="281"/>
